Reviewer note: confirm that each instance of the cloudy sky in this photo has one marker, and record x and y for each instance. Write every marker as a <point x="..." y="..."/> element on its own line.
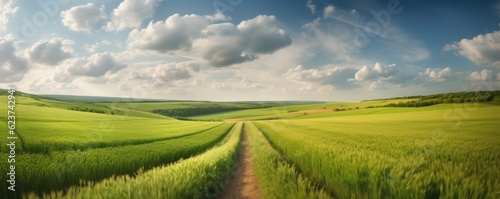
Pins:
<point x="226" y="50"/>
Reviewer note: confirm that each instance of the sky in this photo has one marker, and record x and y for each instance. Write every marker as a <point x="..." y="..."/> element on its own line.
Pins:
<point x="242" y="50"/>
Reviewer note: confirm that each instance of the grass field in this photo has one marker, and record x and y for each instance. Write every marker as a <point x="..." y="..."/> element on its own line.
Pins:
<point x="396" y="153"/>
<point x="318" y="150"/>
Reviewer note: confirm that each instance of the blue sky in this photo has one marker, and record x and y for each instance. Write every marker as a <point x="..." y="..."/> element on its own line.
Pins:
<point x="229" y="50"/>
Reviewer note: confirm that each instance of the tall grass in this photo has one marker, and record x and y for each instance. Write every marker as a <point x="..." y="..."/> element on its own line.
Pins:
<point x="417" y="158"/>
<point x="277" y="178"/>
<point x="60" y="169"/>
<point x="201" y="176"/>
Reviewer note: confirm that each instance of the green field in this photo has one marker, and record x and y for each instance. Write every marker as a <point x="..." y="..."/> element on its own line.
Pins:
<point x="368" y="149"/>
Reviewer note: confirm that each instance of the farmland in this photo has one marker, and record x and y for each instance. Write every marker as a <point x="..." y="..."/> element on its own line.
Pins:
<point x="370" y="149"/>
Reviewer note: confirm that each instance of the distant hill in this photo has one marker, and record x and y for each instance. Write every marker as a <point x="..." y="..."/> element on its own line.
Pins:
<point x="19" y="93"/>
<point x="456" y="97"/>
<point x="96" y="99"/>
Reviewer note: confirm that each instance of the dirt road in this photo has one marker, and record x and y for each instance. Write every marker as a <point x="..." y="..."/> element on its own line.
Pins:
<point x="244" y="185"/>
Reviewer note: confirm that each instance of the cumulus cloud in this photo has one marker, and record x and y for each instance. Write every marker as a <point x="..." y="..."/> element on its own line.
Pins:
<point x="263" y="35"/>
<point x="12" y="66"/>
<point x="96" y="65"/>
<point x="175" y="33"/>
<point x="328" y="11"/>
<point x="91" y="48"/>
<point x="337" y="77"/>
<point x="482" y="49"/>
<point x="376" y="77"/>
<point x="51" y="52"/>
<point x="377" y="72"/>
<point x="380" y="76"/>
<point x="219" y="44"/>
<point x="164" y="74"/>
<point x="484" y="75"/>
<point x="437" y="74"/>
<point x="241" y="43"/>
<point x="131" y="13"/>
<point x="83" y="17"/>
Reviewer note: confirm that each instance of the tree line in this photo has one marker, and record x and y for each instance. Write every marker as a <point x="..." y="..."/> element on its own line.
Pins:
<point x="194" y="111"/>
<point x="459" y="97"/>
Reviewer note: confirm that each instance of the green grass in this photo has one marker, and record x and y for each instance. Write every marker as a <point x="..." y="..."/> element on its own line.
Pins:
<point x="72" y="130"/>
<point x="61" y="169"/>
<point x="202" y="176"/>
<point x="293" y="111"/>
<point x="431" y="152"/>
<point x="149" y="106"/>
<point x="277" y="178"/>
<point x="346" y="148"/>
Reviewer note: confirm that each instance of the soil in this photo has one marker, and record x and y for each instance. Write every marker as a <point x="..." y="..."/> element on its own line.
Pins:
<point x="243" y="185"/>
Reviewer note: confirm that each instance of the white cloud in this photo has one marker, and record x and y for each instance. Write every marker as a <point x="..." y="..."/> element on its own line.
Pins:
<point x="381" y="76"/>
<point x="8" y="9"/>
<point x="482" y="49"/>
<point x="163" y="74"/>
<point x="328" y="11"/>
<point x="83" y="17"/>
<point x="96" y="65"/>
<point x="92" y="48"/>
<point x="219" y="45"/>
<point x="337" y="77"/>
<point x="12" y="66"/>
<point x="247" y="83"/>
<point x="484" y="75"/>
<point x="175" y="33"/>
<point x="131" y="13"/>
<point x="376" y="73"/>
<point x="437" y="74"/>
<point x="51" y="52"/>
<point x="311" y="6"/>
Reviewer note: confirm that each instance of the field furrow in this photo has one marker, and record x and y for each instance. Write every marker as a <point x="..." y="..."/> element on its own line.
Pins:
<point x="62" y="169"/>
<point x="47" y="148"/>
<point x="414" y="159"/>
<point x="277" y="178"/>
<point x="201" y="176"/>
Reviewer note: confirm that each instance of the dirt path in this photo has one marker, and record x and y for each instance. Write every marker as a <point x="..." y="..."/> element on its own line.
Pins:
<point x="244" y="185"/>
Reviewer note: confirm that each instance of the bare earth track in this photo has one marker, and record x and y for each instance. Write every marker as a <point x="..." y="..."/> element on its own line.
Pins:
<point x="244" y="185"/>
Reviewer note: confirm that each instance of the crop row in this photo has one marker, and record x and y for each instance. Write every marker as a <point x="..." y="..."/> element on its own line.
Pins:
<point x="392" y="161"/>
<point x="201" y="176"/>
<point x="277" y="178"/>
<point x="41" y="173"/>
<point x="55" y="136"/>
